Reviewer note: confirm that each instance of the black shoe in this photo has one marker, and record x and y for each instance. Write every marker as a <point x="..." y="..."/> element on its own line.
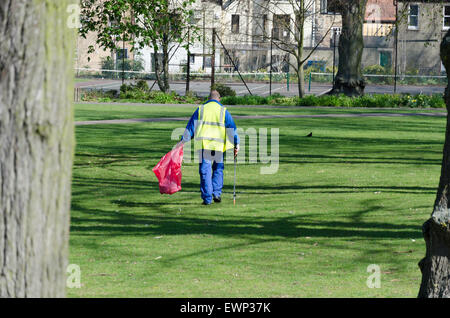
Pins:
<point x="217" y="199"/>
<point x="206" y="203"/>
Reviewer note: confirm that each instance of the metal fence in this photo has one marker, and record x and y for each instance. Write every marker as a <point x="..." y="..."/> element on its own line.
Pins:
<point x="388" y="67"/>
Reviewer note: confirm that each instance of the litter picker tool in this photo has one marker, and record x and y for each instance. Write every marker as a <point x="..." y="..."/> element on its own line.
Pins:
<point x="234" y="187"/>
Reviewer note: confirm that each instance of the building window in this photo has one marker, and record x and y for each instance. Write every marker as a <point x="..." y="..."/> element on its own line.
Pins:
<point x="208" y="61"/>
<point x="336" y="31"/>
<point x="335" y="34"/>
<point x="261" y="25"/>
<point x="281" y="27"/>
<point x="413" y="17"/>
<point x="192" y="58"/>
<point x="235" y="23"/>
<point x="121" y="54"/>
<point x="446" y="25"/>
<point x="265" y="24"/>
<point x="328" y="6"/>
<point x="323" y="6"/>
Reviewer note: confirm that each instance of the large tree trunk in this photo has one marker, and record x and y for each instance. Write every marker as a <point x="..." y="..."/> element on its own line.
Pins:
<point x="435" y="266"/>
<point x="301" y="38"/>
<point x="36" y="146"/>
<point x="349" y="80"/>
<point x="300" y="72"/>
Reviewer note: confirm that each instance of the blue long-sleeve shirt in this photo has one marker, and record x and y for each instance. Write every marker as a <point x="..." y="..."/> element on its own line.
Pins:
<point x="190" y="128"/>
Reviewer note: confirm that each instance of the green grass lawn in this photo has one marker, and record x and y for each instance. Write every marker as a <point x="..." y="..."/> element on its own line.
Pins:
<point x="87" y="111"/>
<point x="82" y="80"/>
<point x="354" y="194"/>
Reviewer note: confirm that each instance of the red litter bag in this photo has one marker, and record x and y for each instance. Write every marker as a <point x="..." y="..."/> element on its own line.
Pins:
<point x="168" y="171"/>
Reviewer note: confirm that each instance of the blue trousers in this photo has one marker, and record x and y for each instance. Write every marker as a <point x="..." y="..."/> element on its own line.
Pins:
<point x="211" y="174"/>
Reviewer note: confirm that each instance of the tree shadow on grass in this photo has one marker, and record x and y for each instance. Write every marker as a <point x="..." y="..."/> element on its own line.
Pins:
<point x="140" y="218"/>
<point x="152" y="187"/>
<point x="352" y="159"/>
<point x="97" y="222"/>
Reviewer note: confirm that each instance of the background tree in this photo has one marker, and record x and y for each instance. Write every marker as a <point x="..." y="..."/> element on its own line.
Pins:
<point x="36" y="146"/>
<point x="294" y="43"/>
<point x="160" y="24"/>
<point x="289" y="20"/>
<point x="349" y="79"/>
<point x="435" y="266"/>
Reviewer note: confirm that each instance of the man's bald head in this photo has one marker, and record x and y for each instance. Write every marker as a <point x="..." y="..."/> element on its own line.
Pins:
<point x="214" y="95"/>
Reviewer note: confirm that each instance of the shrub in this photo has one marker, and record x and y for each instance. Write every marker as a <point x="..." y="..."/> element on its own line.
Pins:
<point x="384" y="100"/>
<point x="136" y="65"/>
<point x="142" y="85"/>
<point x="436" y="101"/>
<point x="223" y="90"/>
<point x="378" y="70"/>
<point x="140" y="92"/>
<point x="98" y="95"/>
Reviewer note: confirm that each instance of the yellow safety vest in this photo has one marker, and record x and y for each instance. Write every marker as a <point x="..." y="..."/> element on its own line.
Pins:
<point x="210" y="132"/>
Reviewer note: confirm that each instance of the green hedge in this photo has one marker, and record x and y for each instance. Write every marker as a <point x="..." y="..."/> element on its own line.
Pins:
<point x="388" y="101"/>
<point x="141" y="93"/>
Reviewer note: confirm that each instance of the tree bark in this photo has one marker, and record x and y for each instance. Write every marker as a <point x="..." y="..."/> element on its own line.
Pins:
<point x="36" y="146"/>
<point x="300" y="72"/>
<point x="301" y="81"/>
<point x="158" y="68"/>
<point x="435" y="266"/>
<point x="349" y="79"/>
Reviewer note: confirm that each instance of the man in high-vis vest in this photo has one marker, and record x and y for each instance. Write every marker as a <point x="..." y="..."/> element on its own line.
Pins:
<point x="213" y="132"/>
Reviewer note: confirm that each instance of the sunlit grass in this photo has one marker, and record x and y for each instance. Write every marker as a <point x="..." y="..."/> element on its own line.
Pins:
<point x="354" y="194"/>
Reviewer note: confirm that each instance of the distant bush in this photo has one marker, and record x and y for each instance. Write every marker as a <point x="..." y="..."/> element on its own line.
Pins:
<point x="140" y="92"/>
<point x="142" y="85"/>
<point x="136" y="65"/>
<point x="378" y="70"/>
<point x="386" y="101"/>
<point x="99" y="95"/>
<point x="223" y="90"/>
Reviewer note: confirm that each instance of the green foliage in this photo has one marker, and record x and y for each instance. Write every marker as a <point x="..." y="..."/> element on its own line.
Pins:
<point x="136" y="65"/>
<point x="223" y="90"/>
<point x="99" y="95"/>
<point x="375" y="69"/>
<point x="161" y="20"/>
<point x="378" y="70"/>
<point x="316" y="69"/>
<point x="378" y="74"/>
<point x="107" y="63"/>
<point x="142" y="85"/>
<point x="139" y="92"/>
<point x="160" y="26"/>
<point x="385" y="100"/>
